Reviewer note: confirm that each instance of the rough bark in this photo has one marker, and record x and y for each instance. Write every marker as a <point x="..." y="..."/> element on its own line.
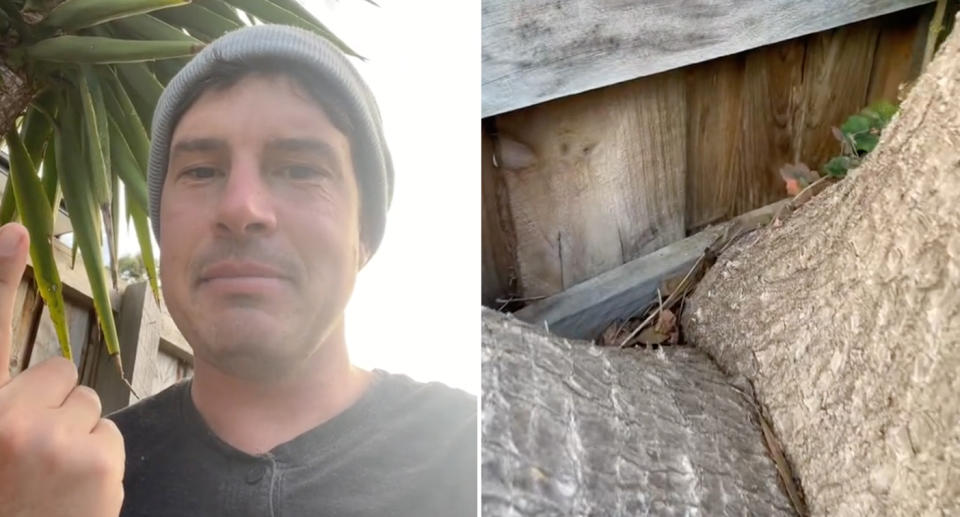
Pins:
<point x="15" y="93"/>
<point x="17" y="89"/>
<point x="573" y="429"/>
<point x="847" y="319"/>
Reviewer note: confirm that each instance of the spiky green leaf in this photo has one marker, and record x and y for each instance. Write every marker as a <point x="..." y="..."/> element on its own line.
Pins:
<point x="37" y="218"/>
<point x="78" y="14"/>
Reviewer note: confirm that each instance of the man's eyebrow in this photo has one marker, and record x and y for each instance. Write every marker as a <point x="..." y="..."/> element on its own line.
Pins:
<point x="198" y="145"/>
<point x="302" y="144"/>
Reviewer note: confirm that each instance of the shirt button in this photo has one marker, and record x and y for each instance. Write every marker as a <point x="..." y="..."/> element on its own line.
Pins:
<point x="255" y="474"/>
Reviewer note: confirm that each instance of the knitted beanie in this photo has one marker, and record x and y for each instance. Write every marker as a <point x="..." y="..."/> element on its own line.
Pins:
<point x="371" y="158"/>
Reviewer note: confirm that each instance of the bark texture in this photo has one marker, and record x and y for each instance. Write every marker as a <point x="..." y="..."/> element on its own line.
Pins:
<point x="847" y="319"/>
<point x="15" y="94"/>
<point x="573" y="429"/>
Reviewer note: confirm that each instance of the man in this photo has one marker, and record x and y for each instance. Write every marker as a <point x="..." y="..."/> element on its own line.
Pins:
<point x="269" y="182"/>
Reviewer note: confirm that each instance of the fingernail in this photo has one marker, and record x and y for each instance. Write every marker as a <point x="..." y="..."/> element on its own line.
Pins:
<point x="9" y="241"/>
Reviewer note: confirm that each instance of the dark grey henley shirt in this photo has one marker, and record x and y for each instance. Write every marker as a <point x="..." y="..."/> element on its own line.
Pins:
<point x="405" y="449"/>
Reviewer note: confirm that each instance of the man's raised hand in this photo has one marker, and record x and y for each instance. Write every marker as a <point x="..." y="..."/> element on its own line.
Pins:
<point x="57" y="456"/>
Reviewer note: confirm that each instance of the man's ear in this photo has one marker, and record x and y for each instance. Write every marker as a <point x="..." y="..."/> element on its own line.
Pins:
<point x="363" y="254"/>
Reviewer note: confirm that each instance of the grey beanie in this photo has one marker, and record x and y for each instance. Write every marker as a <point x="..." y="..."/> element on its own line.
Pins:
<point x="371" y="158"/>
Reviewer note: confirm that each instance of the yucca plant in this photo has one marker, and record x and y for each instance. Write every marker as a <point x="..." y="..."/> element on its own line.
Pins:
<point x="79" y="80"/>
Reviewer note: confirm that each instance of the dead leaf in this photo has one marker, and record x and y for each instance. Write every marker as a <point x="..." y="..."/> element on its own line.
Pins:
<point x="793" y="187"/>
<point x="798" y="171"/>
<point x="797" y="176"/>
<point x="666" y="322"/>
<point x="650" y="336"/>
<point x="838" y="134"/>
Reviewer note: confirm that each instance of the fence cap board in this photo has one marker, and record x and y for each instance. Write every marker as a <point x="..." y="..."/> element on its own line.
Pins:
<point x="171" y="340"/>
<point x="537" y="50"/>
<point x="586" y="309"/>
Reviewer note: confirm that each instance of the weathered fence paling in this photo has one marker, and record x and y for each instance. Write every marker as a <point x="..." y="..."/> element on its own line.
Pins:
<point x="538" y="50"/>
<point x="580" y="185"/>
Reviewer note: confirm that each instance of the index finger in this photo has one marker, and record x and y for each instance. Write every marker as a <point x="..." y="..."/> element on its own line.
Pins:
<point x="13" y="259"/>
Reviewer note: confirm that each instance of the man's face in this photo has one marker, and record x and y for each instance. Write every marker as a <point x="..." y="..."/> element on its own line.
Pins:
<point x="259" y="221"/>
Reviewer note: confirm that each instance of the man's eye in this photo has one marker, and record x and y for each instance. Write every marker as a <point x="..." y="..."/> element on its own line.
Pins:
<point x="300" y="172"/>
<point x="200" y="173"/>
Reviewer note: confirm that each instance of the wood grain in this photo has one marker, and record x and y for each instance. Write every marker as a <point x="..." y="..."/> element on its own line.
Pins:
<point x="898" y="55"/>
<point x="604" y="185"/>
<point x="166" y="372"/>
<point x="771" y="99"/>
<point x="836" y="76"/>
<point x="741" y="111"/>
<point x="46" y="344"/>
<point x="752" y="113"/>
<point x="537" y="50"/>
<point x="171" y="340"/>
<point x="714" y="98"/>
<point x="742" y="118"/>
<point x="498" y="277"/>
<point x="27" y="306"/>
<point x="139" y="328"/>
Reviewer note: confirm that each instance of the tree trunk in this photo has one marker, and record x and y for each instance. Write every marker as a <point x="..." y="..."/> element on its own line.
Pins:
<point x="847" y="318"/>
<point x="573" y="429"/>
<point x="15" y="93"/>
<point x="16" y="88"/>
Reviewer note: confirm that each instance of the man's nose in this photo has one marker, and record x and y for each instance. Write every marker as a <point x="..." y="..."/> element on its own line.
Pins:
<point x="246" y="205"/>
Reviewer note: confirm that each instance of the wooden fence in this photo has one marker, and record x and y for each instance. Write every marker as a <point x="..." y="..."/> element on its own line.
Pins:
<point x="581" y="184"/>
<point x="154" y="353"/>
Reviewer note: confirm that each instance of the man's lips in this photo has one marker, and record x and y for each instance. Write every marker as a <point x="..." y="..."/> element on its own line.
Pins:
<point x="240" y="270"/>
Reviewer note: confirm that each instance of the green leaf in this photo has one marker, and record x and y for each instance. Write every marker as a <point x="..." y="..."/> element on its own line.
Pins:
<point x="96" y="133"/>
<point x="202" y="23"/>
<point x="77" y="14"/>
<point x="126" y="166"/>
<point x="73" y="252"/>
<point x="150" y="27"/>
<point x="84" y="215"/>
<point x="36" y="132"/>
<point x="837" y="166"/>
<point x="143" y="88"/>
<point x="856" y="124"/>
<point x="221" y="8"/>
<point x="885" y="110"/>
<point x="166" y="69"/>
<point x="50" y="180"/>
<point x="866" y="141"/>
<point x="99" y="50"/>
<point x="8" y="205"/>
<point x="111" y="220"/>
<point x="142" y="226"/>
<point x="37" y="218"/>
<point x="124" y="113"/>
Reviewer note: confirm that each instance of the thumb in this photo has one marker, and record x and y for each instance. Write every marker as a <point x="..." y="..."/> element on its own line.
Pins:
<point x="13" y="259"/>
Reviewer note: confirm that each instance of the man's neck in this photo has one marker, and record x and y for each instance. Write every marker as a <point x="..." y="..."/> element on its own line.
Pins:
<point x="255" y="417"/>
